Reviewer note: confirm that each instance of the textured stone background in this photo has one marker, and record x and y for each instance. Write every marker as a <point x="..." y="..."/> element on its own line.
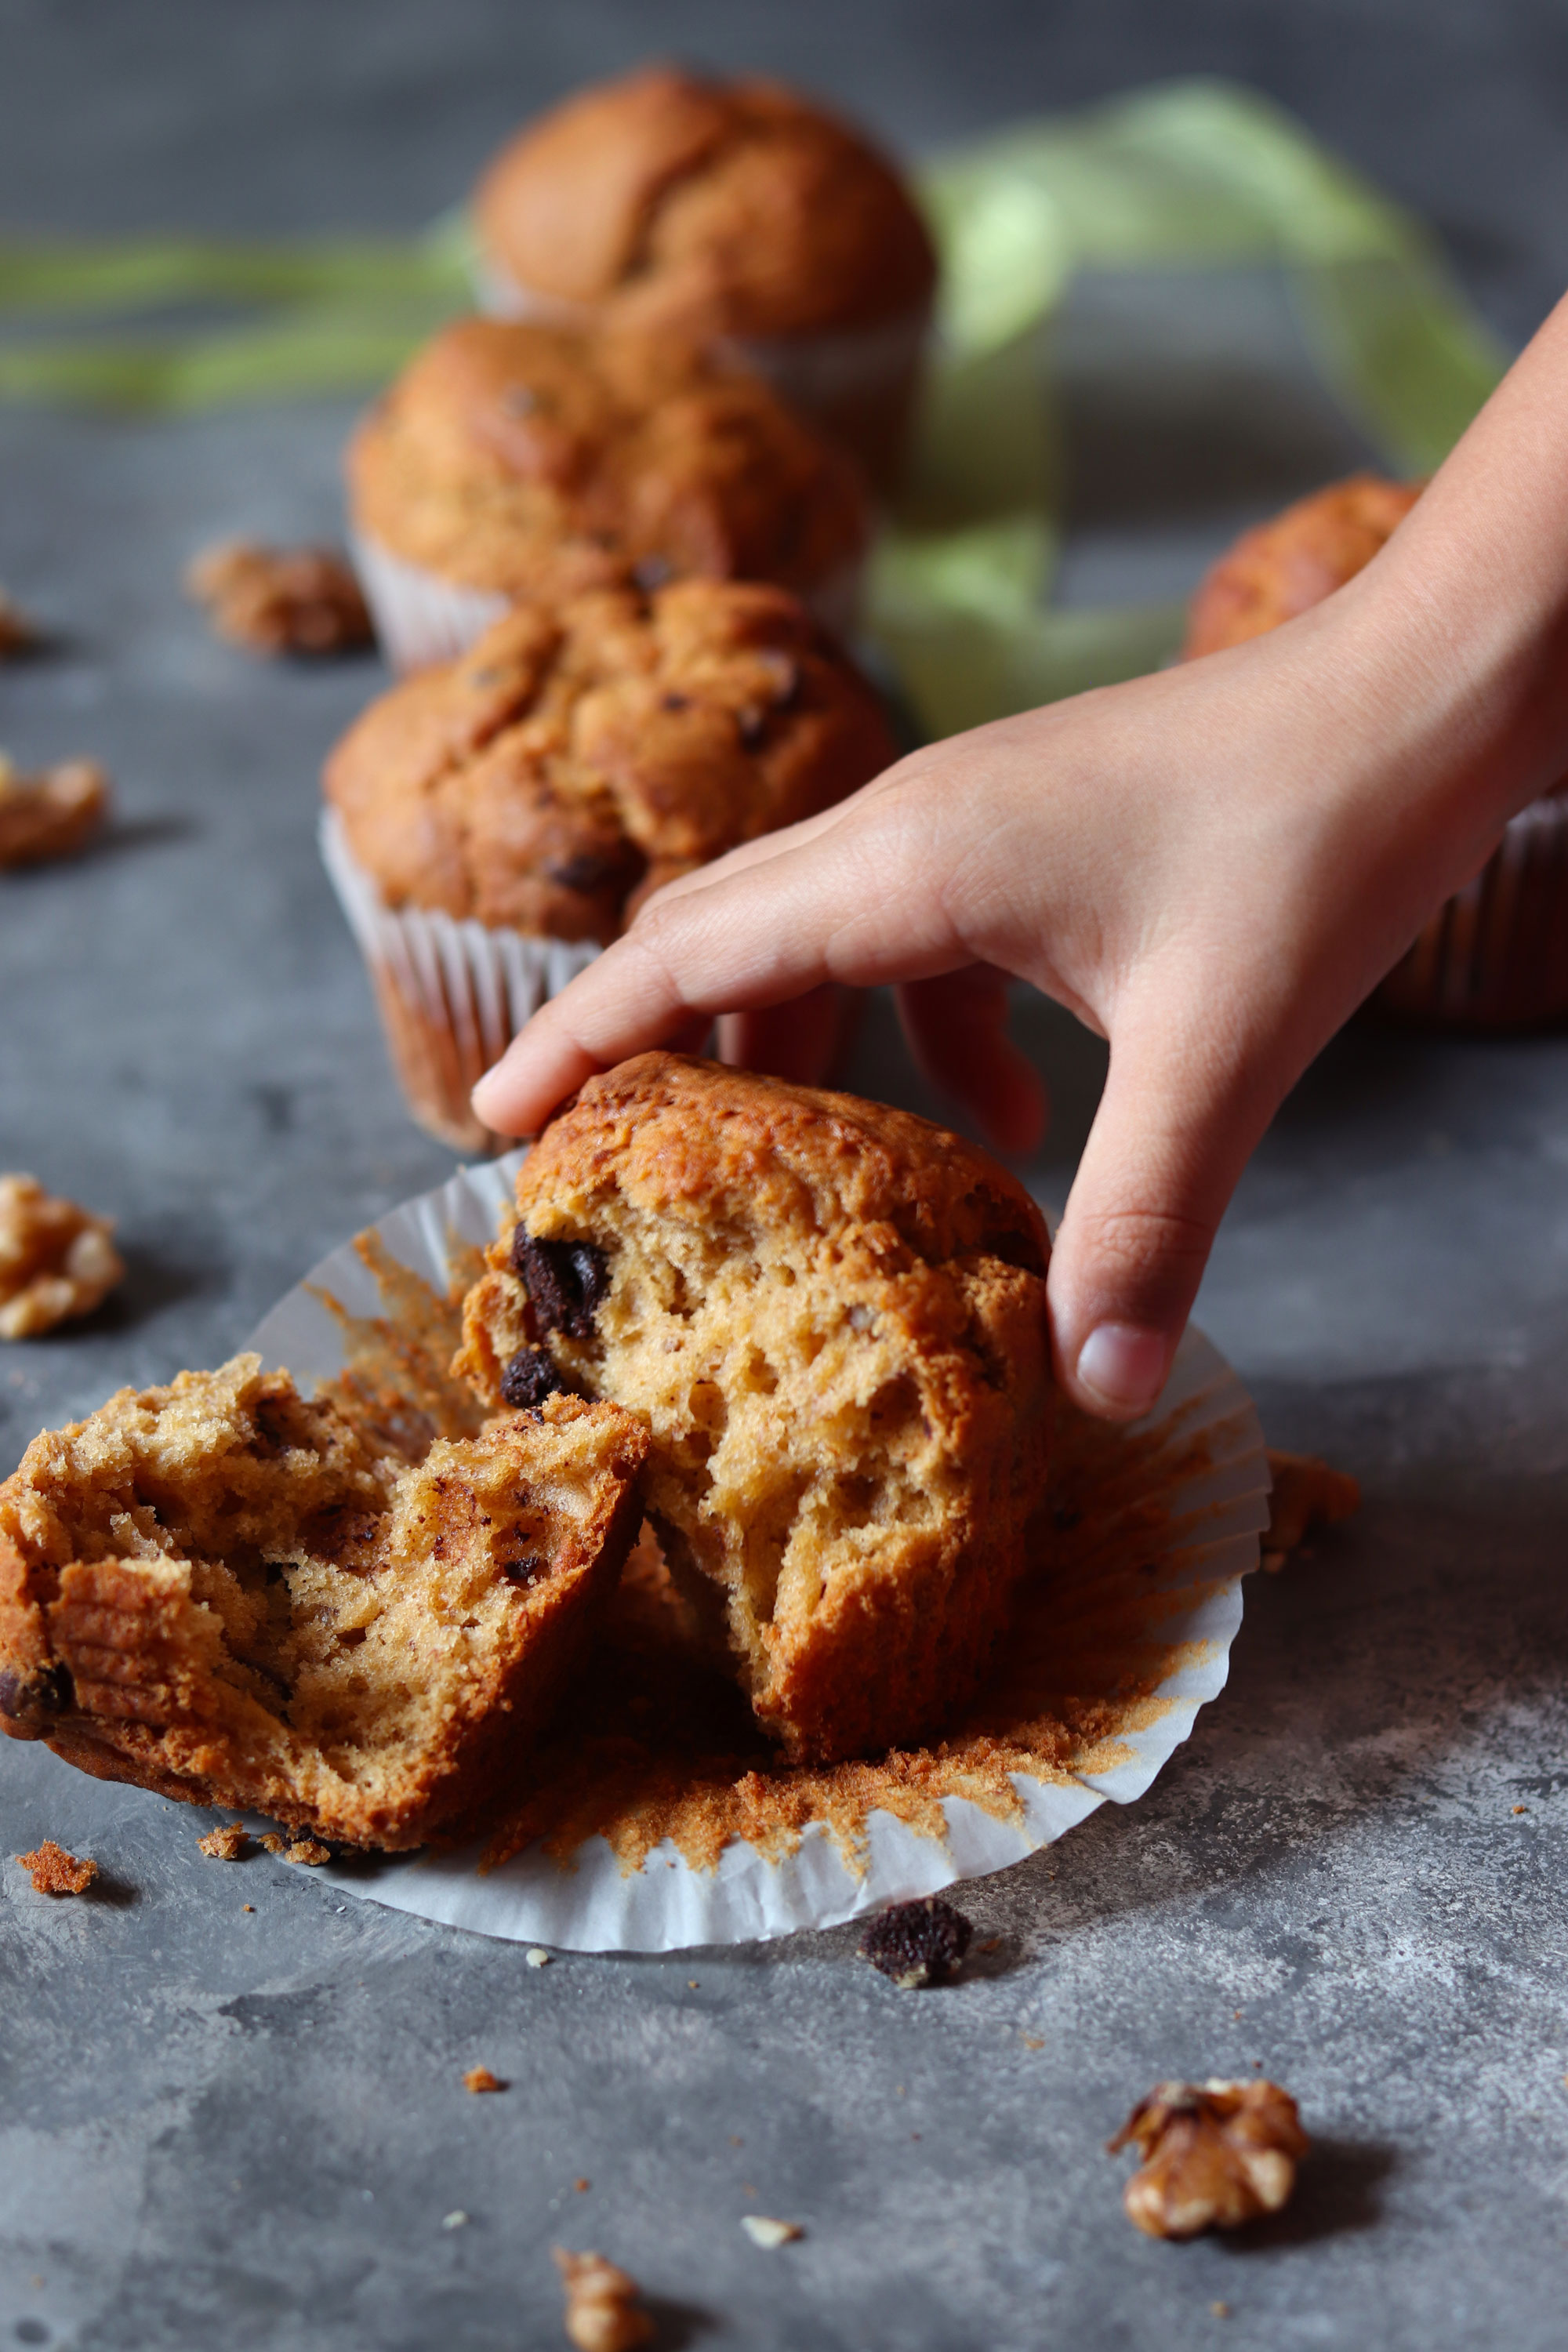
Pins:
<point x="223" y="2128"/>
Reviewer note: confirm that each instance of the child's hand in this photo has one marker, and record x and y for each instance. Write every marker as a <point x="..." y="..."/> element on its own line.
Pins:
<point x="1211" y="866"/>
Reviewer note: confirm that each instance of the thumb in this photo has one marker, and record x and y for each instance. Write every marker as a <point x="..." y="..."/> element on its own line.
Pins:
<point x="1175" y="1125"/>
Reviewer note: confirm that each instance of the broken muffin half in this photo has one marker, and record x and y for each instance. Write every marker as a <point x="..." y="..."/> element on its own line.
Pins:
<point x="831" y="1317"/>
<point x="218" y="1589"/>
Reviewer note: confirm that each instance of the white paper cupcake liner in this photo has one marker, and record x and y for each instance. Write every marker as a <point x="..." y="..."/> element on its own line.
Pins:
<point x="421" y="619"/>
<point x="452" y="994"/>
<point x="591" y="1904"/>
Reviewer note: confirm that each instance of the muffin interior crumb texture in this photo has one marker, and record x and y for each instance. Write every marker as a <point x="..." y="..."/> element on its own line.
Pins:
<point x="218" y="1589"/>
<point x="830" y="1316"/>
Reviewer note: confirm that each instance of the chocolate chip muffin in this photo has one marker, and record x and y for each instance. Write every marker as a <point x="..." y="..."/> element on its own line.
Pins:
<point x="515" y="462"/>
<point x="1284" y="566"/>
<point x="216" y="1589"/>
<point x="831" y="1318"/>
<point x="1496" y="956"/>
<point x="737" y="212"/>
<point x="541" y="786"/>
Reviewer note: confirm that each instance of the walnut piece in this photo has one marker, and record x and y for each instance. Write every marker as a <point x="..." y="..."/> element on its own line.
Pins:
<point x="917" y="1943"/>
<point x="229" y="1842"/>
<point x="56" y="1871"/>
<point x="51" y="814"/>
<point x="280" y="600"/>
<point x="56" y="1260"/>
<point x="18" y="635"/>
<point x="1307" y="1495"/>
<point x="601" y="2310"/>
<point x="1214" y="2155"/>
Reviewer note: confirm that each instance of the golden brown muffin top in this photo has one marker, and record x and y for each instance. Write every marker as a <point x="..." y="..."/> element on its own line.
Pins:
<point x="1284" y="566"/>
<point x="579" y="756"/>
<point x="754" y="1155"/>
<point x="543" y="461"/>
<point x="726" y="208"/>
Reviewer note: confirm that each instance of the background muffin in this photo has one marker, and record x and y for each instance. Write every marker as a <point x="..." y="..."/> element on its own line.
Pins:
<point x="736" y="212"/>
<point x="513" y="461"/>
<point x="504" y="816"/>
<point x="1496" y="956"/>
<point x="831" y="1318"/>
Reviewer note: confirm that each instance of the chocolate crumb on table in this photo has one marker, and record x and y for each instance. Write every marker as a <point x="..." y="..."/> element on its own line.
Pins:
<point x="602" y="2315"/>
<point x="917" y="1943"/>
<point x="228" y="1842"/>
<point x="280" y="600"/>
<point x="51" y="814"/>
<point x="57" y="1261"/>
<point x="1214" y="2155"/>
<point x="1307" y="1495"/>
<point x="480" y="2078"/>
<point x="56" y="1871"/>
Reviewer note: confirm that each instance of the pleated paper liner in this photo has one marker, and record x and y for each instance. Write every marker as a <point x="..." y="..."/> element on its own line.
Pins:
<point x="655" y="1817"/>
<point x="1496" y="956"/>
<point x="858" y="385"/>
<point x="452" y="994"/>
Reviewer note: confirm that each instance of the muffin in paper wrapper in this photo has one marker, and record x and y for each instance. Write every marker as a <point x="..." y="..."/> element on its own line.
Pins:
<point x="452" y="994"/>
<point x="422" y="619"/>
<point x="1496" y="955"/>
<point x="858" y="385"/>
<point x="614" y="1841"/>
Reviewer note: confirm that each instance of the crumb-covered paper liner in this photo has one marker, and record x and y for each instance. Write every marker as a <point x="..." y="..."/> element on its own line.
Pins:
<point x="655" y="1817"/>
<point x="422" y="619"/>
<point x="452" y="994"/>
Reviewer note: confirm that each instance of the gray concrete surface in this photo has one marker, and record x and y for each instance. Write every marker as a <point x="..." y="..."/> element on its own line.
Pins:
<point x="246" y="2128"/>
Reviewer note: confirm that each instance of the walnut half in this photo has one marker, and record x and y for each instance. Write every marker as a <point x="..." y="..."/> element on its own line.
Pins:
<point x="602" y="2315"/>
<point x="1214" y="2155"/>
<point x="51" y="814"/>
<point x="280" y="600"/>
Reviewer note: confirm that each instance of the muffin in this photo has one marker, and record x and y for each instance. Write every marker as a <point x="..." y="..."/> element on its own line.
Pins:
<point x="493" y="823"/>
<point x="512" y="462"/>
<point x="216" y="1589"/>
<point x="1496" y="956"/>
<point x="737" y="212"/>
<point x="831" y="1319"/>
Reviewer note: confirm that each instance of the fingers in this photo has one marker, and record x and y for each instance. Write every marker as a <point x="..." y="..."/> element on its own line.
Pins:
<point x="800" y="1040"/>
<point x="845" y="898"/>
<point x="956" y="1026"/>
<point x="1176" y="1123"/>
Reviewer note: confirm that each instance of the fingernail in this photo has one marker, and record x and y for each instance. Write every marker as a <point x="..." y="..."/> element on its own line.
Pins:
<point x="1123" y="1365"/>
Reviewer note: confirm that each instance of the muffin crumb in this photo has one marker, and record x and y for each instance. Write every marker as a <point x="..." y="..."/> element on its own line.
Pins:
<point x="480" y="2078"/>
<point x="1214" y="2154"/>
<point x="280" y="600"/>
<point x="228" y="1842"/>
<point x="308" y="1850"/>
<point x="56" y="1871"/>
<point x="601" y="2307"/>
<point x="57" y="1261"/>
<point x="273" y="1842"/>
<point x="52" y="813"/>
<point x="19" y="633"/>
<point x="917" y="1943"/>
<point x="1307" y="1495"/>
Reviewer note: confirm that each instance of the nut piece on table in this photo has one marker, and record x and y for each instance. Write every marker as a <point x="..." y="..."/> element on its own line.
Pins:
<point x="917" y="1943"/>
<point x="601" y="2309"/>
<point x="280" y="600"/>
<point x="1214" y="2155"/>
<point x="56" y="1260"/>
<point x="1307" y="1495"/>
<point x="56" y="1871"/>
<point x="51" y="814"/>
<point x="18" y="635"/>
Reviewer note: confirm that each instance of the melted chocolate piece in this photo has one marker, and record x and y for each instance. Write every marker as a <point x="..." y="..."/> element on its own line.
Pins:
<point x="525" y="1570"/>
<point x="527" y="1378"/>
<point x="565" y="1281"/>
<point x="33" y="1701"/>
<point x="917" y="1943"/>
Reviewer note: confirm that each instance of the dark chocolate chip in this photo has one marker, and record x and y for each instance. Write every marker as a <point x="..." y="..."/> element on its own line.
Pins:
<point x="39" y="1697"/>
<point x="589" y="870"/>
<point x="565" y="1280"/>
<point x="675" y="702"/>
<point x="526" y="1570"/>
<point x="917" y="1943"/>
<point x="527" y="1379"/>
<point x="651" y="571"/>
